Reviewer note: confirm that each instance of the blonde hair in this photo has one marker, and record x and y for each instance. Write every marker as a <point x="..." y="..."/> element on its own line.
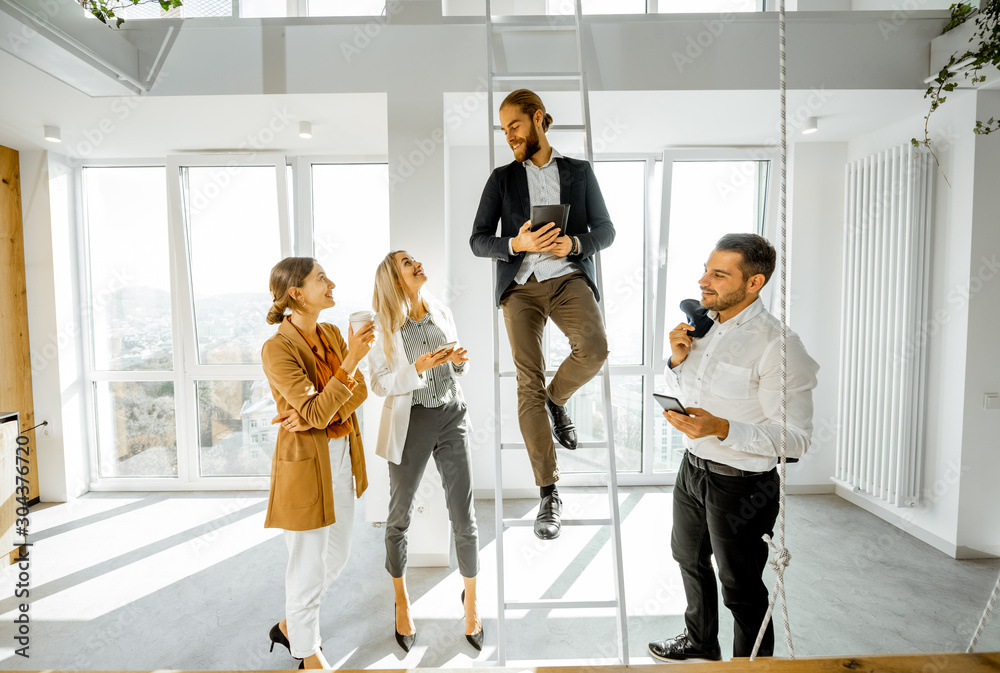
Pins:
<point x="528" y="101"/>
<point x="390" y="301"/>
<point x="288" y="273"/>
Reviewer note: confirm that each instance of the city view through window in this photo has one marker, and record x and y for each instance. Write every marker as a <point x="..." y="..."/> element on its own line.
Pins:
<point x="233" y="240"/>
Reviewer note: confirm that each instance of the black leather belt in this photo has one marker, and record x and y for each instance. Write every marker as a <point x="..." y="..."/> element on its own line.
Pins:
<point x="718" y="468"/>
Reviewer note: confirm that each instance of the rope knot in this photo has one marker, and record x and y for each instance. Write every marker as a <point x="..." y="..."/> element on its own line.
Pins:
<point x="781" y="560"/>
<point x="782" y="557"/>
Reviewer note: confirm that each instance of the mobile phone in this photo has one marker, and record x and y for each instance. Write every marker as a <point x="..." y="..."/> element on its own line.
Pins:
<point x="670" y="403"/>
<point x="445" y="347"/>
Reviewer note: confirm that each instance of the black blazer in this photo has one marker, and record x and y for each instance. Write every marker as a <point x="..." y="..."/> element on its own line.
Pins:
<point x="505" y="198"/>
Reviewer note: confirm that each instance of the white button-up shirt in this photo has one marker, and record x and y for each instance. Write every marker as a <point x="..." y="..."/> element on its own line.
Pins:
<point x="734" y="372"/>
<point x="543" y="190"/>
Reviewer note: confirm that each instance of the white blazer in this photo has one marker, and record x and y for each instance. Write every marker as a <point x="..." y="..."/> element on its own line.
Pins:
<point x="396" y="381"/>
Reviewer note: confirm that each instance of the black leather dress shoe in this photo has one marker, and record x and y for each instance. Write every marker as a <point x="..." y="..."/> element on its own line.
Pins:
<point x="681" y="648"/>
<point x="562" y="424"/>
<point x="547" y="523"/>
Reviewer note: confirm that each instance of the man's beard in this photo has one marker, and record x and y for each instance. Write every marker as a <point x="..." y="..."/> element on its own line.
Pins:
<point x="727" y="301"/>
<point x="531" y="145"/>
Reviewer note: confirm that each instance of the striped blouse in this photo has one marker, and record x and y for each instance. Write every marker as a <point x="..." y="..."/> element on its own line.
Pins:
<point x="421" y="337"/>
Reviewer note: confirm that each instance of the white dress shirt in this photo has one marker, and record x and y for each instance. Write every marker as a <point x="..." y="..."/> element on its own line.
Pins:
<point x="543" y="190"/>
<point x="734" y="372"/>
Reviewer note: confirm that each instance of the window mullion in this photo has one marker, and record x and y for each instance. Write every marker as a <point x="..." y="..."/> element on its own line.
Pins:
<point x="85" y="318"/>
<point x="185" y="339"/>
<point x="305" y="246"/>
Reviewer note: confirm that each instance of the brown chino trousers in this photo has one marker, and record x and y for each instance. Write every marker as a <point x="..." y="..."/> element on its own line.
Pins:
<point x="570" y="302"/>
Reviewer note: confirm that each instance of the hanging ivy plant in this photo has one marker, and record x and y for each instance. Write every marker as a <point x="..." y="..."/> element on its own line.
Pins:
<point x="105" y="10"/>
<point x="985" y="53"/>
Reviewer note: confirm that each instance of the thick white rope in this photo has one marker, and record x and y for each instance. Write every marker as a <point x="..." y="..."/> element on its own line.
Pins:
<point x="782" y="556"/>
<point x="986" y="616"/>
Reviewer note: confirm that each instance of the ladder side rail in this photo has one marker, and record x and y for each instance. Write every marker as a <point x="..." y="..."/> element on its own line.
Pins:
<point x="616" y="542"/>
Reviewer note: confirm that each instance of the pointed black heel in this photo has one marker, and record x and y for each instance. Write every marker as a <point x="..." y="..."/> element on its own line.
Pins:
<point x="406" y="642"/>
<point x="278" y="638"/>
<point x="476" y="639"/>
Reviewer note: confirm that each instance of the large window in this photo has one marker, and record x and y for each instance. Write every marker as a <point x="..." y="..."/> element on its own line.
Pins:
<point x="706" y="194"/>
<point x="668" y="214"/>
<point x="177" y="263"/>
<point x="128" y="303"/>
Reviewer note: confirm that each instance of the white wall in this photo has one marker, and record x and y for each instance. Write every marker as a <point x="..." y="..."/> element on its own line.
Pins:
<point x="979" y="499"/>
<point x="816" y="230"/>
<point x="53" y="313"/>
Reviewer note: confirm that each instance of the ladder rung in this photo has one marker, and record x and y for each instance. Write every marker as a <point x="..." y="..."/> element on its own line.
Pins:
<point x="513" y="523"/>
<point x="506" y="446"/>
<point x="536" y="76"/>
<point x="554" y="127"/>
<point x="557" y="603"/>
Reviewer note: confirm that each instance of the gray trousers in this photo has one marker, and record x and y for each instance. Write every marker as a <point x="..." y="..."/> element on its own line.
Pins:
<point x="442" y="432"/>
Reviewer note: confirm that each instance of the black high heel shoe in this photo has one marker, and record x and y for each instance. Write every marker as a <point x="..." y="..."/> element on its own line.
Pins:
<point x="476" y="639"/>
<point x="406" y="642"/>
<point x="278" y="638"/>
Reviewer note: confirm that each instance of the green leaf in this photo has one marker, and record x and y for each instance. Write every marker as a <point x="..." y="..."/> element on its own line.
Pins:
<point x="914" y="142"/>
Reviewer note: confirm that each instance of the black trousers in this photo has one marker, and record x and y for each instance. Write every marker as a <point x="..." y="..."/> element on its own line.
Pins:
<point x="724" y="516"/>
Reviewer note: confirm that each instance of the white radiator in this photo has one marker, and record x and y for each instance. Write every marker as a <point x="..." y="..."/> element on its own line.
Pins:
<point x="884" y="325"/>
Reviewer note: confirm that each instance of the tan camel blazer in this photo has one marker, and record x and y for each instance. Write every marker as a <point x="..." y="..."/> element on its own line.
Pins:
<point x="301" y="496"/>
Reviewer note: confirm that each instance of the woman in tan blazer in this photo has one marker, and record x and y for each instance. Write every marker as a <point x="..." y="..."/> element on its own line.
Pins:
<point x="318" y="466"/>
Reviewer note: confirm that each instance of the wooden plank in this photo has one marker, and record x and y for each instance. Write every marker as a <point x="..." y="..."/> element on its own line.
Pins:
<point x="15" y="356"/>
<point x="946" y="662"/>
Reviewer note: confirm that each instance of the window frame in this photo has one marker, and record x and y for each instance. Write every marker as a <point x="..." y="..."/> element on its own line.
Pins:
<point x="767" y="226"/>
<point x="187" y="372"/>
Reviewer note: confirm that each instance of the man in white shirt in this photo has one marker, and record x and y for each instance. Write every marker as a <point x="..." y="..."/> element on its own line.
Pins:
<point x="725" y="496"/>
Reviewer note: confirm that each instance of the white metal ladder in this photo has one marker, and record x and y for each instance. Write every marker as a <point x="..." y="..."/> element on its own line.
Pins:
<point x="494" y="27"/>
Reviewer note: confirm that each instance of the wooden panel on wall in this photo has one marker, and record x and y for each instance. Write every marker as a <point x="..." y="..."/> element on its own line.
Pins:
<point x="15" y="357"/>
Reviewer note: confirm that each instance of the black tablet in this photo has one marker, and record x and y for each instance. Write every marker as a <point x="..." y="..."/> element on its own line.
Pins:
<point x="542" y="215"/>
<point x="670" y="403"/>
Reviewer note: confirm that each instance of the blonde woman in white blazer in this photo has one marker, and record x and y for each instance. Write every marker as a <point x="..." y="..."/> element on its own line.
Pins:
<point x="416" y="367"/>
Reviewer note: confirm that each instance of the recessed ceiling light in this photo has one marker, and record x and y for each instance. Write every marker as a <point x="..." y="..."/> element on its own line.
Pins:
<point x="305" y="130"/>
<point x="811" y="126"/>
<point x="53" y="134"/>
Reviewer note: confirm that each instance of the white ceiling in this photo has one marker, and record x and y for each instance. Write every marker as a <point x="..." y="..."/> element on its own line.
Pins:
<point x="356" y="125"/>
<point x="151" y="126"/>
<point x="644" y="121"/>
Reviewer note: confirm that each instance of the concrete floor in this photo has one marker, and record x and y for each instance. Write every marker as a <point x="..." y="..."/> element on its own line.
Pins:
<point x="193" y="581"/>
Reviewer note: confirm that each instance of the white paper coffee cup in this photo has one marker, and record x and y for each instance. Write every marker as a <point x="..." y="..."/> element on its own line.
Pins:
<point x="359" y="318"/>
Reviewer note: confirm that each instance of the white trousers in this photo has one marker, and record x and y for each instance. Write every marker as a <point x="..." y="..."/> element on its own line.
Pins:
<point x="317" y="557"/>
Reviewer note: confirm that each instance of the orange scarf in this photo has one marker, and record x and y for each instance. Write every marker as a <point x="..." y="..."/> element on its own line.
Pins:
<point x="326" y="369"/>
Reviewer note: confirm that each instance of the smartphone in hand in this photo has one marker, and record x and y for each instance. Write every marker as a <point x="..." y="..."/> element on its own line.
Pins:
<point x="445" y="347"/>
<point x="670" y="403"/>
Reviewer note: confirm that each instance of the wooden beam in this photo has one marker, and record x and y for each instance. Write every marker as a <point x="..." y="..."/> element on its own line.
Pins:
<point x="15" y="356"/>
<point x="946" y="662"/>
